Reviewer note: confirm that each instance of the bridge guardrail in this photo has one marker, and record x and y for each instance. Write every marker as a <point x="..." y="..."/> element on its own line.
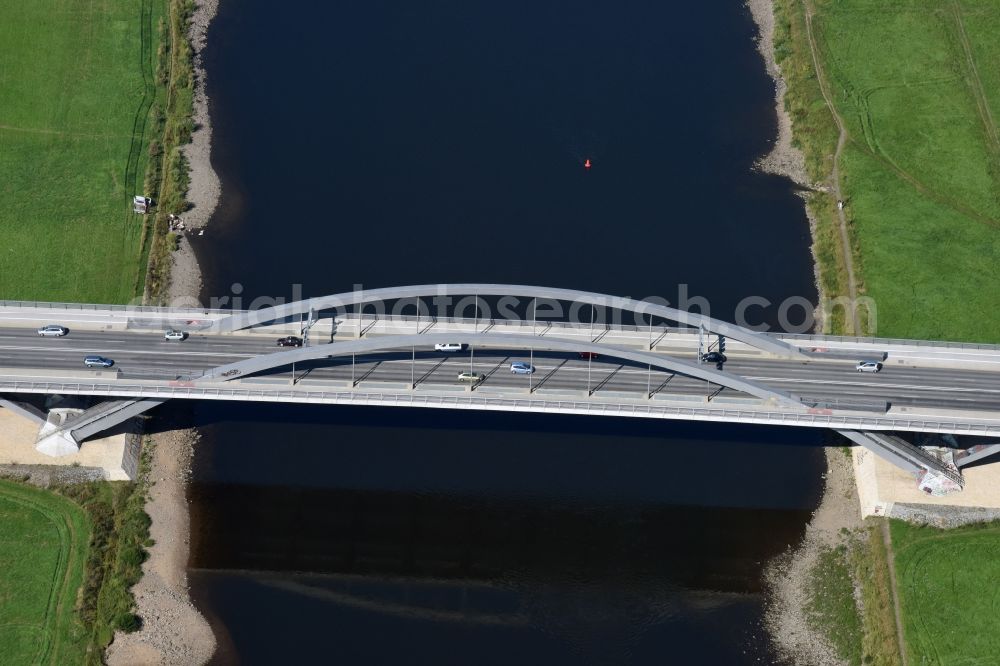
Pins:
<point x="521" y="323"/>
<point x="596" y="407"/>
<point x="598" y="326"/>
<point x="545" y="322"/>
<point x="880" y="406"/>
<point x="110" y="306"/>
<point x="949" y="344"/>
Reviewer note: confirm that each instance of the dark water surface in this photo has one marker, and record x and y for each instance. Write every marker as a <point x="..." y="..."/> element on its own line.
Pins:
<point x="395" y="142"/>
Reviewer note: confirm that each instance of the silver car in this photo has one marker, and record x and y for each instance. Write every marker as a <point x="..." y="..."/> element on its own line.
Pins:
<point x="868" y="366"/>
<point x="97" y="362"/>
<point x="174" y="335"/>
<point x="52" y="331"/>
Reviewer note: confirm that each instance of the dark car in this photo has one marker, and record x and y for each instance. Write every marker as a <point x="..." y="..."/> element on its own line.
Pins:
<point x="588" y="355"/>
<point x="714" y="357"/>
<point x="290" y="341"/>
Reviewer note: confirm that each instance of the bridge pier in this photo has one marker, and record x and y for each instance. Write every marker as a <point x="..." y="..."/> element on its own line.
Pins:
<point x="24" y="409"/>
<point x="54" y="439"/>
<point x="65" y="429"/>
<point x="931" y="472"/>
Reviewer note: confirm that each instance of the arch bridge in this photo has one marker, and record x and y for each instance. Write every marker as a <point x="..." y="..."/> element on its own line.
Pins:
<point x="782" y="380"/>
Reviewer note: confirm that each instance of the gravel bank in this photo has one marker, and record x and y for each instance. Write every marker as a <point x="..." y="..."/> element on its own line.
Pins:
<point x="173" y="631"/>
<point x="788" y="576"/>
<point x="205" y="188"/>
<point x="944" y="517"/>
<point x="784" y="159"/>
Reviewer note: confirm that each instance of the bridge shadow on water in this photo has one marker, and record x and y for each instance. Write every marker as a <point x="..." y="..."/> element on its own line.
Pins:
<point x="386" y="534"/>
<point x="577" y="535"/>
<point x="474" y="565"/>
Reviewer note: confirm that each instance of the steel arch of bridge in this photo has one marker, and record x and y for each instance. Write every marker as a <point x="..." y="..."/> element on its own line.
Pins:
<point x="526" y="342"/>
<point x="756" y="339"/>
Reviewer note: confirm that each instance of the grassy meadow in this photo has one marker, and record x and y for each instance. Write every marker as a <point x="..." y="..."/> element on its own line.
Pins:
<point x="948" y="588"/>
<point x="76" y="86"/>
<point x="917" y="86"/>
<point x="43" y="550"/>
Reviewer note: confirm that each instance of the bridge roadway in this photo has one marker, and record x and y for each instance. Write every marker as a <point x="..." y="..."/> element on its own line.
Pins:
<point x="144" y="355"/>
<point x="645" y="370"/>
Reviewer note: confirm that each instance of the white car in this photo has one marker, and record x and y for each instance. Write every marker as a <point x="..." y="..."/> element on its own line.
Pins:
<point x="449" y="347"/>
<point x="52" y="331"/>
<point x="868" y="366"/>
<point x="174" y="335"/>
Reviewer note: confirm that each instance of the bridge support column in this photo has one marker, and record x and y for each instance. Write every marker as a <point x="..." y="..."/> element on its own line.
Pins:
<point x="66" y="429"/>
<point x="974" y="453"/>
<point x="54" y="439"/>
<point x="928" y="470"/>
<point x="24" y="409"/>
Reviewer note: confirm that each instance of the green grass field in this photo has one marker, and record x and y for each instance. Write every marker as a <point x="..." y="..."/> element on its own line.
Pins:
<point x="917" y="85"/>
<point x="922" y="169"/>
<point x="76" y="84"/>
<point x="949" y="587"/>
<point x="43" y="548"/>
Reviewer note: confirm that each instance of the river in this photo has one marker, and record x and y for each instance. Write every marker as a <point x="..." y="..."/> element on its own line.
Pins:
<point x="382" y="143"/>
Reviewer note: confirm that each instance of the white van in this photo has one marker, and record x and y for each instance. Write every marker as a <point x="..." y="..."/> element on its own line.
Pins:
<point x="449" y="347"/>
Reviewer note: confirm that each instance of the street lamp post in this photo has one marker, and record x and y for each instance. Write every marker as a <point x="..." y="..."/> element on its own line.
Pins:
<point x="590" y="357"/>
<point x="531" y="351"/>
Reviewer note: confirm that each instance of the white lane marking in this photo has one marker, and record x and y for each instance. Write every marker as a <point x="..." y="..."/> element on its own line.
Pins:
<point x="904" y="387"/>
<point x="601" y="370"/>
<point x="608" y="368"/>
<point x="86" y="350"/>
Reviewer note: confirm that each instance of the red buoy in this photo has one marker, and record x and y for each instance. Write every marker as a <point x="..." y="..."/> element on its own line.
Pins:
<point x="586" y="163"/>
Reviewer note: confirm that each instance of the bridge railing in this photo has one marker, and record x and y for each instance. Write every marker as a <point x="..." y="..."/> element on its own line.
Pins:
<point x="521" y="322"/>
<point x="488" y="402"/>
<point x="111" y="307"/>
<point x="539" y="324"/>
<point x="599" y="326"/>
<point x="854" y="404"/>
<point x="890" y="341"/>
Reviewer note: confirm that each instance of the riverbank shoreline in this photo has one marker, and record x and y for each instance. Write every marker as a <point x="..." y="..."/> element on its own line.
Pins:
<point x="173" y="630"/>
<point x="784" y="158"/>
<point x="788" y="576"/>
<point x="205" y="187"/>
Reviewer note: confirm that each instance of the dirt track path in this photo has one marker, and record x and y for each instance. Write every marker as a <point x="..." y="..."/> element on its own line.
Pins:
<point x="852" y="285"/>
<point x="891" y="560"/>
<point x="978" y="92"/>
